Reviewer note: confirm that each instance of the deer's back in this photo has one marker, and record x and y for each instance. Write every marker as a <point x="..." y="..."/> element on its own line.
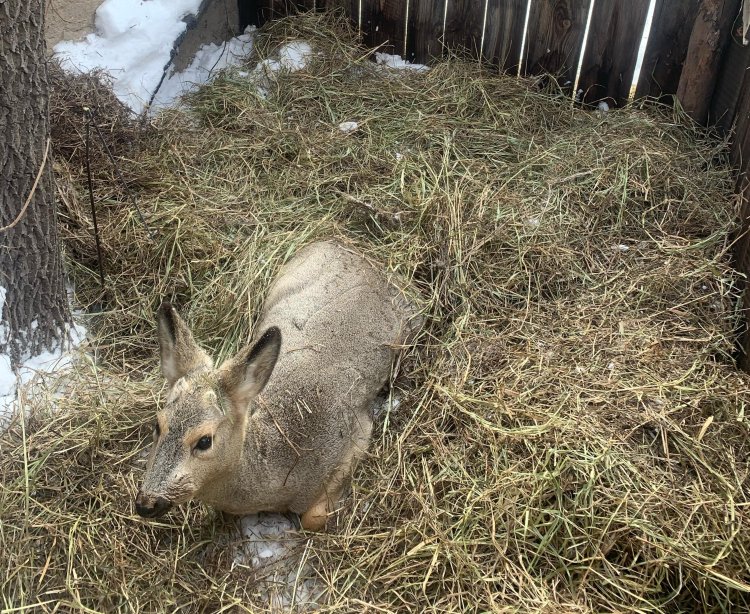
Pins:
<point x="340" y="320"/>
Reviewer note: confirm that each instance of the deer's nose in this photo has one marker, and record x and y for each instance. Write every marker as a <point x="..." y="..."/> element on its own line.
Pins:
<point x="151" y="508"/>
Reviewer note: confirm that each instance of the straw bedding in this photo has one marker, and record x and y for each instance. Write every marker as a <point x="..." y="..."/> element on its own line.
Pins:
<point x="569" y="433"/>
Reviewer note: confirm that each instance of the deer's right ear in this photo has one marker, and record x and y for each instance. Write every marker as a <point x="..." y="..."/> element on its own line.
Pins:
<point x="244" y="376"/>
<point x="180" y="353"/>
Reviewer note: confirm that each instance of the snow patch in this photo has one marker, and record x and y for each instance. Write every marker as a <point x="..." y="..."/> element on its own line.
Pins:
<point x="347" y="127"/>
<point x="384" y="404"/>
<point x="397" y="62"/>
<point x="276" y="550"/>
<point x="292" y="57"/>
<point x="295" y="55"/>
<point x="32" y="368"/>
<point x="208" y="61"/>
<point x="133" y="43"/>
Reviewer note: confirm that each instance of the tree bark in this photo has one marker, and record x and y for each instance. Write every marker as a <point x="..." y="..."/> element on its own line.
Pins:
<point x="35" y="314"/>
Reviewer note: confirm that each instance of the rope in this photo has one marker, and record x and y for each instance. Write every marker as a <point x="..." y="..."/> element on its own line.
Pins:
<point x="31" y="194"/>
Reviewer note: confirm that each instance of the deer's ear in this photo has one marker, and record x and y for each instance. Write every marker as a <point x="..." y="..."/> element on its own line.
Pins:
<point x="180" y="354"/>
<point x="243" y="377"/>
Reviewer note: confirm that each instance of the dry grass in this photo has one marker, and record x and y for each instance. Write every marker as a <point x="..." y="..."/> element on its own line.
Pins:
<point x="571" y="435"/>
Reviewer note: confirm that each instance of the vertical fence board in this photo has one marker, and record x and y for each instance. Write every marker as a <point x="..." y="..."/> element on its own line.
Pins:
<point x="383" y="24"/>
<point x="741" y="251"/>
<point x="251" y="12"/>
<point x="554" y="37"/>
<point x="667" y="47"/>
<point x="332" y="5"/>
<point x="740" y="153"/>
<point x="731" y="77"/>
<point x="741" y="257"/>
<point x="504" y="33"/>
<point x="425" y="30"/>
<point x="612" y="50"/>
<point x="463" y="26"/>
<point x="708" y="43"/>
<point x="281" y="8"/>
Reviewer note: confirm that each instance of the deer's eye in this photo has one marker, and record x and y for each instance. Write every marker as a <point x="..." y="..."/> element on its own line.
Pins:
<point x="204" y="443"/>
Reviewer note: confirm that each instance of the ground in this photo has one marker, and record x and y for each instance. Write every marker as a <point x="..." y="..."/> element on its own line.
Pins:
<point x="571" y="433"/>
<point x="69" y="19"/>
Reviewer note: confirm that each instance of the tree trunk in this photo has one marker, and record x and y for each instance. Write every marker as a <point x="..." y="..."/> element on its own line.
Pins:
<point x="35" y="310"/>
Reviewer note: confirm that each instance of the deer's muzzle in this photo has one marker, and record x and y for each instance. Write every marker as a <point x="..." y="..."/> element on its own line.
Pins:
<point x="151" y="508"/>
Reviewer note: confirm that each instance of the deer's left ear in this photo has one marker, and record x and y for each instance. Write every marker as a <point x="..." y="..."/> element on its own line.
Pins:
<point x="243" y="377"/>
<point x="180" y="354"/>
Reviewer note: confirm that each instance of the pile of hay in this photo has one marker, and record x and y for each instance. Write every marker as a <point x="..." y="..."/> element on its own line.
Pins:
<point x="570" y="433"/>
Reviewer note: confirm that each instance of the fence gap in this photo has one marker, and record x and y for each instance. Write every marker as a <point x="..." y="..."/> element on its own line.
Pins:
<point x="406" y="29"/>
<point x="667" y="48"/>
<point x="383" y="25"/>
<point x="484" y="29"/>
<point x="442" y="36"/>
<point x="524" y="38"/>
<point x="642" y="49"/>
<point x="424" y="30"/>
<point x="611" y="50"/>
<point x="586" y="31"/>
<point x="554" y="38"/>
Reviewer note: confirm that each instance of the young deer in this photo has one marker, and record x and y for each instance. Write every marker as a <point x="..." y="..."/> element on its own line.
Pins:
<point x="331" y="327"/>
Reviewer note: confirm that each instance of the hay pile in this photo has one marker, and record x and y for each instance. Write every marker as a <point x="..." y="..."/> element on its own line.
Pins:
<point x="571" y="432"/>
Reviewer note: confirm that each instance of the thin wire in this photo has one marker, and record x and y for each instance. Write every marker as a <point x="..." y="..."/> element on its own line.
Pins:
<point x="91" y="199"/>
<point x="90" y="113"/>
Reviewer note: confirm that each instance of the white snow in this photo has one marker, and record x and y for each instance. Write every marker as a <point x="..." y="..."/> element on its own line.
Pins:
<point x="133" y="43"/>
<point x="208" y="61"/>
<point x="347" y="127"/>
<point x="32" y="367"/>
<point x="291" y="56"/>
<point x="396" y="61"/>
<point x="276" y="550"/>
<point x="295" y="55"/>
<point x="603" y="107"/>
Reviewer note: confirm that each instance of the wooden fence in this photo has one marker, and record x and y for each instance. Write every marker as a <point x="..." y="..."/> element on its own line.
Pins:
<point x="694" y="53"/>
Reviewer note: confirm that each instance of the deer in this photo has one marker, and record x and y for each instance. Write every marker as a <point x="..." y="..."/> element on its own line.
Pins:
<point x="280" y="426"/>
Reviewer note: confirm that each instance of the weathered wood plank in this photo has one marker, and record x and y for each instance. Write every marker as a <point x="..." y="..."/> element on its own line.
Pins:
<point x="554" y="37"/>
<point x="708" y="42"/>
<point x="667" y="47"/>
<point x="332" y="5"/>
<point x="504" y="33"/>
<point x="741" y="261"/>
<point x="731" y="78"/>
<point x="251" y="12"/>
<point x="739" y="110"/>
<point x="384" y="25"/>
<point x="280" y="8"/>
<point x="464" y="20"/>
<point x="612" y="49"/>
<point x="740" y="152"/>
<point x="425" y="30"/>
<point x="266" y="10"/>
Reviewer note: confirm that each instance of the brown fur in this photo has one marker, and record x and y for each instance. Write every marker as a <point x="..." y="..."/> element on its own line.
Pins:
<point x="295" y="446"/>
